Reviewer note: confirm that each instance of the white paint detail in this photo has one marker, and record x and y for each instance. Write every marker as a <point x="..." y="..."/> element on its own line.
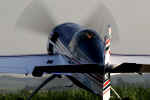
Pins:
<point x="107" y="44"/>
<point x="106" y="94"/>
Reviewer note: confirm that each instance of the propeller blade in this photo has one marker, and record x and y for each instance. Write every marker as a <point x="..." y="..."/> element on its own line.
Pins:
<point x="99" y="21"/>
<point x="36" y="18"/>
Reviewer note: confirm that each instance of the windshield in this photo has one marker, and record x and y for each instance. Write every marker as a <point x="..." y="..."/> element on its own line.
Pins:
<point x="92" y="46"/>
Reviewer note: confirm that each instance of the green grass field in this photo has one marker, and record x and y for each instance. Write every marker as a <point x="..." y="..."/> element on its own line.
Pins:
<point x="134" y="93"/>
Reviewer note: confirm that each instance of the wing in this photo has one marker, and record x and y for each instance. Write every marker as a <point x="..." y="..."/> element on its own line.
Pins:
<point x="23" y="64"/>
<point x="120" y="64"/>
<point x="130" y="63"/>
<point x="69" y="68"/>
<point x="57" y="63"/>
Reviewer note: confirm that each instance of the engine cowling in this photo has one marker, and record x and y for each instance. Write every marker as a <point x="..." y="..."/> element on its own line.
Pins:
<point x="64" y="32"/>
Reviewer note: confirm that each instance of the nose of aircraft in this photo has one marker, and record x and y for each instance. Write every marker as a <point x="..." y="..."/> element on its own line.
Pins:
<point x="66" y="31"/>
<point x="86" y="41"/>
<point x="91" y="45"/>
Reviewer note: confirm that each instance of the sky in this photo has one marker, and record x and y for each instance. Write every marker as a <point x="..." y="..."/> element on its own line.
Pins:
<point x="26" y="24"/>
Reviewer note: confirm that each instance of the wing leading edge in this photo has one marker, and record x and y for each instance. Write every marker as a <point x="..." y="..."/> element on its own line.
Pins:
<point x="92" y="68"/>
<point x="129" y="68"/>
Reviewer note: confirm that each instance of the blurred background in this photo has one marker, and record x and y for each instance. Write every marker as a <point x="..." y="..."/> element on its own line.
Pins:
<point x="25" y="25"/>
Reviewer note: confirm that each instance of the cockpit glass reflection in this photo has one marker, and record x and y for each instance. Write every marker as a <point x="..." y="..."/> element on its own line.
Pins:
<point x="89" y="43"/>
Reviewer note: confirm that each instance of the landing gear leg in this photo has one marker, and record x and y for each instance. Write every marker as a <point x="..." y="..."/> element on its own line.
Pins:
<point x="118" y="96"/>
<point x="42" y="85"/>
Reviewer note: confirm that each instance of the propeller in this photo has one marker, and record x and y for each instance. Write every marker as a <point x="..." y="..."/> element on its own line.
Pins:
<point x="36" y="18"/>
<point x="99" y="21"/>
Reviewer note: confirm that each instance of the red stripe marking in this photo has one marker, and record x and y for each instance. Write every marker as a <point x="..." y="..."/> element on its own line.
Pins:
<point x="107" y="41"/>
<point x="109" y="52"/>
<point x="106" y="91"/>
<point x="106" y="83"/>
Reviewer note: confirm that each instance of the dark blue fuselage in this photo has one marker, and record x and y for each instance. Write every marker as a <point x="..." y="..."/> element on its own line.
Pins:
<point x="82" y="42"/>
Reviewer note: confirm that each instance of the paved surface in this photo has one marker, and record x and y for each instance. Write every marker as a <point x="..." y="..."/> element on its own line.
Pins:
<point x="16" y="82"/>
<point x="131" y="79"/>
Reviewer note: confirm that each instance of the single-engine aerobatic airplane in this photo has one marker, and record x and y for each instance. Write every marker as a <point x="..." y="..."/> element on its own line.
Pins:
<point x="78" y="53"/>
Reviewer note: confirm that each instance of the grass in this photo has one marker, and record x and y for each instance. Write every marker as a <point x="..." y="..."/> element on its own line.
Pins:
<point x="134" y="93"/>
<point x="75" y="94"/>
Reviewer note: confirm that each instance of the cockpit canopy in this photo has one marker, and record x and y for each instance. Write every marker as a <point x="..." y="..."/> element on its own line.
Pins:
<point x="91" y="45"/>
<point x="81" y="41"/>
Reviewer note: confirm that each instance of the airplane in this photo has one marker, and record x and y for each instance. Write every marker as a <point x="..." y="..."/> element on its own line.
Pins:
<point x="79" y="54"/>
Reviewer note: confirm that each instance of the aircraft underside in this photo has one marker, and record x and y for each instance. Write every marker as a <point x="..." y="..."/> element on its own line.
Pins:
<point x="98" y="84"/>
